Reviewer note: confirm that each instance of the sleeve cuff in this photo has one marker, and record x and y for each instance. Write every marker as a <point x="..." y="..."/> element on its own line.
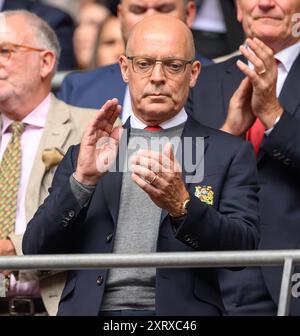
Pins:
<point x="82" y="192"/>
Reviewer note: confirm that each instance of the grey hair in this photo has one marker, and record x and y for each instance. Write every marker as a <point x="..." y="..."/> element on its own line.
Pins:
<point x="44" y="34"/>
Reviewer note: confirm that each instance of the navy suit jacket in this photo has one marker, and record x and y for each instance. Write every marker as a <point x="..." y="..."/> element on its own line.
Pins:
<point x="93" y="88"/>
<point x="278" y="160"/>
<point x="61" y="226"/>
<point x="61" y="23"/>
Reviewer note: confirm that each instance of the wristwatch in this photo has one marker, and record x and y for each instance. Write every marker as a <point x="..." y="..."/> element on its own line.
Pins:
<point x="184" y="207"/>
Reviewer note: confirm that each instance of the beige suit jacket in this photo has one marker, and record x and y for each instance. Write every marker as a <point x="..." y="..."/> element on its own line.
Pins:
<point x="64" y="127"/>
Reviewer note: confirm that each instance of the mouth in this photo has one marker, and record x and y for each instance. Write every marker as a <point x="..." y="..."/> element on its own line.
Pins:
<point x="266" y="17"/>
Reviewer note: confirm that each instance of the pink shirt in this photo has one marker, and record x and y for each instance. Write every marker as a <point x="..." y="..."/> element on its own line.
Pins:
<point x="30" y="140"/>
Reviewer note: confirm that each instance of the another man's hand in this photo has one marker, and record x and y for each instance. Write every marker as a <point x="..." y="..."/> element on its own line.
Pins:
<point x="159" y="175"/>
<point x="99" y="145"/>
<point x="240" y="117"/>
<point x="6" y="249"/>
<point x="263" y="78"/>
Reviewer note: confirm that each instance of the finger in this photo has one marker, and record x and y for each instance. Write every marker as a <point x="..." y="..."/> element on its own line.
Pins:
<point x="106" y="115"/>
<point x="148" y="163"/>
<point x="117" y="133"/>
<point x="245" y="88"/>
<point x="263" y="47"/>
<point x="161" y="158"/>
<point x="257" y="62"/>
<point x="145" y="173"/>
<point x="115" y="114"/>
<point x="251" y="74"/>
<point x="168" y="152"/>
<point x="149" y="189"/>
<point x="258" y="49"/>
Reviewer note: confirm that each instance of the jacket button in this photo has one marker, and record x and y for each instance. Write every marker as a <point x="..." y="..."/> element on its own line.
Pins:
<point x="109" y="237"/>
<point x="99" y="280"/>
<point x="65" y="223"/>
<point x="71" y="213"/>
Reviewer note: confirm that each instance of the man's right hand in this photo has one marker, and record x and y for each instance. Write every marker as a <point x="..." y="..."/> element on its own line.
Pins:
<point x="93" y="161"/>
<point x="240" y="117"/>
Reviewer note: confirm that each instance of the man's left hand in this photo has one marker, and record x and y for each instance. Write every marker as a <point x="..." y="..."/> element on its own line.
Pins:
<point x="159" y="175"/>
<point x="263" y="77"/>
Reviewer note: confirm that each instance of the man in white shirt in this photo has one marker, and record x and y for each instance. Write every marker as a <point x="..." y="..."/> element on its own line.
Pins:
<point x="257" y="96"/>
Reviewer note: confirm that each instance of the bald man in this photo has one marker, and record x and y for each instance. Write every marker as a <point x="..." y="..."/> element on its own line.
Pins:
<point x="92" y="88"/>
<point x="97" y="205"/>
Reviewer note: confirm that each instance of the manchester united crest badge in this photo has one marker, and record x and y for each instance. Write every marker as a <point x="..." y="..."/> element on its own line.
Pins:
<point x="205" y="194"/>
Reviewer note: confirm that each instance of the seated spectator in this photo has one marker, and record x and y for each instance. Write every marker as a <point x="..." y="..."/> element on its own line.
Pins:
<point x="36" y="130"/>
<point x="91" y="16"/>
<point x="60" y="22"/>
<point x="109" y="43"/>
<point x="256" y="95"/>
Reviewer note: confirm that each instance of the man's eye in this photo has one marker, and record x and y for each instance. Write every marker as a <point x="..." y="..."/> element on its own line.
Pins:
<point x="137" y="10"/>
<point x="167" y="8"/>
<point x="4" y="51"/>
<point x="174" y="66"/>
<point x="143" y="64"/>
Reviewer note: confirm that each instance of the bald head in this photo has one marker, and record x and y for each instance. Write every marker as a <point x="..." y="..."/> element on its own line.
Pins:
<point x="159" y="67"/>
<point x="161" y="28"/>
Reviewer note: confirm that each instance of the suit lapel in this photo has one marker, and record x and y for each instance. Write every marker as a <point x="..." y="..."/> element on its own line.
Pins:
<point x="290" y="93"/>
<point x="192" y="129"/>
<point x="55" y="134"/>
<point x="289" y="96"/>
<point x="232" y="79"/>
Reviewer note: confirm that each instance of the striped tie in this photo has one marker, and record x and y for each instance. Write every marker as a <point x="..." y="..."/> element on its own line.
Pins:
<point x="10" y="171"/>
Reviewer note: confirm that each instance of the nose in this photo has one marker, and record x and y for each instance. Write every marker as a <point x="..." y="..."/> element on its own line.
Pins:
<point x="150" y="11"/>
<point x="266" y="4"/>
<point x="158" y="74"/>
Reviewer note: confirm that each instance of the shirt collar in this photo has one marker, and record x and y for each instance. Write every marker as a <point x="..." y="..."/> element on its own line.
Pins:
<point x="178" y="119"/>
<point x="36" y="118"/>
<point x="288" y="55"/>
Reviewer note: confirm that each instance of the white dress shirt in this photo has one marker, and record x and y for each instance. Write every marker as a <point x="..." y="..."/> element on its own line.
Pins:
<point x="126" y="108"/>
<point x="179" y="119"/>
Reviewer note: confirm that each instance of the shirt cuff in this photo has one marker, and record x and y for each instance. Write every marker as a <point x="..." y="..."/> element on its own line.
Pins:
<point x="268" y="132"/>
<point x="82" y="192"/>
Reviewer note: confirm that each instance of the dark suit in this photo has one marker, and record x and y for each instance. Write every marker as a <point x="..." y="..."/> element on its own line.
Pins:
<point x="93" y="88"/>
<point x="61" y="226"/>
<point x="278" y="167"/>
<point x="233" y="37"/>
<point x="60" y="22"/>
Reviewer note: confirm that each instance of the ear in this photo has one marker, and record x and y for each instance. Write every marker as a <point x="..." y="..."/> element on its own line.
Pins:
<point x="48" y="60"/>
<point x="120" y="12"/>
<point x="191" y="12"/>
<point x="239" y="11"/>
<point x="123" y="62"/>
<point x="195" y="71"/>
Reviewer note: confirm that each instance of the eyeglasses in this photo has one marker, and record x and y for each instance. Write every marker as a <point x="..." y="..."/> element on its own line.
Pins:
<point x="145" y="65"/>
<point x="7" y="49"/>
